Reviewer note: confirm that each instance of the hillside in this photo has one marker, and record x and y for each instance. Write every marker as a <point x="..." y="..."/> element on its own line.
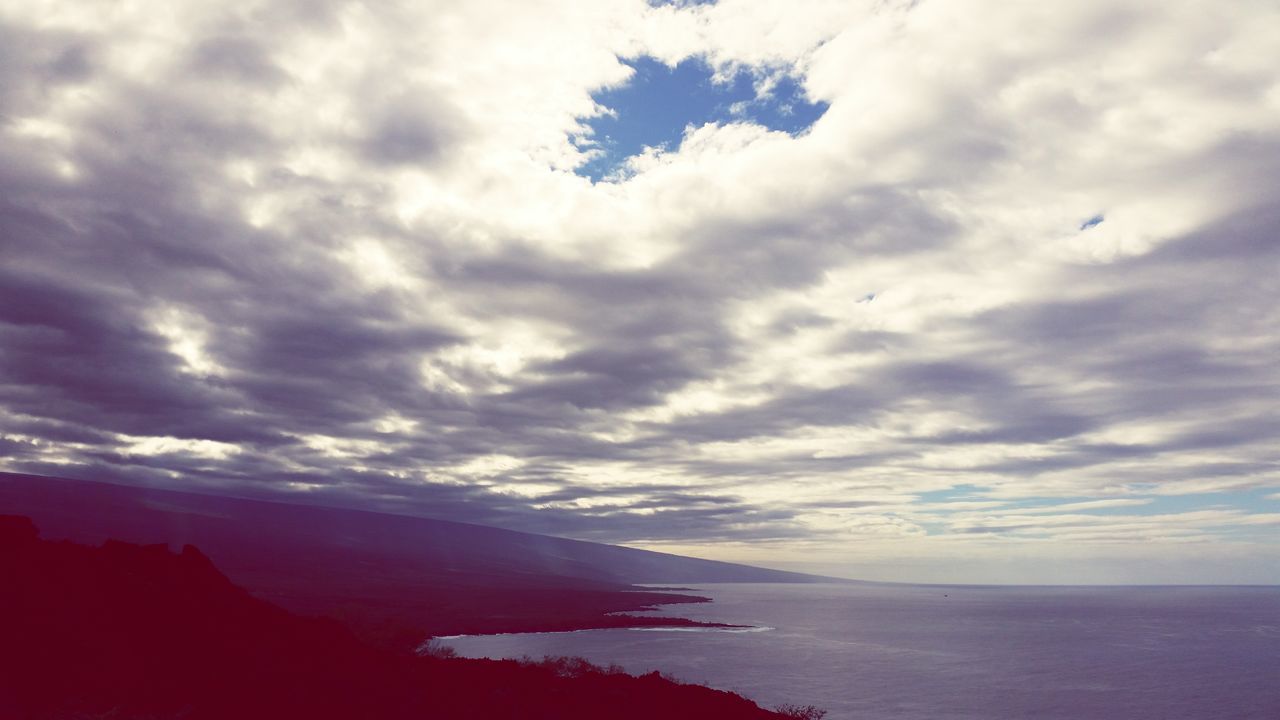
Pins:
<point x="129" y="631"/>
<point x="390" y="577"/>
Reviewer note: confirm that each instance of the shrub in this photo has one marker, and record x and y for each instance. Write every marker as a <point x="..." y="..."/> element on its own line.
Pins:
<point x="805" y="712"/>
<point x="434" y="648"/>
<point x="570" y="667"/>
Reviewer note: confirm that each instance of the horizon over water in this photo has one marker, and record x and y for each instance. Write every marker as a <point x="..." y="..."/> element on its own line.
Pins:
<point x="876" y="651"/>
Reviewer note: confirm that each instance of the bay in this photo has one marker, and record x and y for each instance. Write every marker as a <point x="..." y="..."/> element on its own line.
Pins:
<point x="979" y="653"/>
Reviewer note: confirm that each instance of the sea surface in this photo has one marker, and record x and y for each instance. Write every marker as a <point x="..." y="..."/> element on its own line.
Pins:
<point x="874" y="651"/>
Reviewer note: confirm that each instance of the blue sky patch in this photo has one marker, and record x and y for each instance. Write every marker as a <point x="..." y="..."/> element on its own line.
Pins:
<point x="659" y="102"/>
<point x="1255" y="500"/>
<point x="1095" y="220"/>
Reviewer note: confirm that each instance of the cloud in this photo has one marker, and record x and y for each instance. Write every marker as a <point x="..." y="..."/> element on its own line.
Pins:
<point x="1013" y="291"/>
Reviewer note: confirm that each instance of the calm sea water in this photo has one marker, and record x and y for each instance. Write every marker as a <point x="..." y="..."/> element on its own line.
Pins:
<point x="985" y="653"/>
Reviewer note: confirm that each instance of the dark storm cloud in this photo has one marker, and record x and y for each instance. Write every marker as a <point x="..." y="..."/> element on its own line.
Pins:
<point x="1025" y="428"/>
<point x="308" y="354"/>
<point x="790" y="322"/>
<point x="76" y="356"/>
<point x="1142" y="337"/>
<point x="16" y="448"/>
<point x="145" y="229"/>
<point x="409" y="130"/>
<point x="609" y="378"/>
<point x="33" y="63"/>
<point x="642" y="334"/>
<point x="745" y="258"/>
<point x="316" y="369"/>
<point x="55" y="432"/>
<point x="239" y="58"/>
<point x="176" y="263"/>
<point x="984" y="390"/>
<point x="139" y="232"/>
<point x="668" y="299"/>
<point x="1146" y="325"/>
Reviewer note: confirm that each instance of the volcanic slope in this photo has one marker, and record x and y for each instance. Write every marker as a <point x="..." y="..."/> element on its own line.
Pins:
<point x="131" y="631"/>
<point x="390" y="577"/>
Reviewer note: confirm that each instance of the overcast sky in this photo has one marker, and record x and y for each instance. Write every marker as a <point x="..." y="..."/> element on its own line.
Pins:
<point x="943" y="290"/>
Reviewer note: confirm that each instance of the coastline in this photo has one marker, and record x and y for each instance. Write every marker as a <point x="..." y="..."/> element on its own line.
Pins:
<point x="692" y="626"/>
<point x="130" y="630"/>
<point x="620" y="619"/>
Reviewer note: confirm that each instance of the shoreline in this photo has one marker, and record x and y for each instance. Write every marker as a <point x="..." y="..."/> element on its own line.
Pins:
<point x="617" y="620"/>
<point x="608" y="621"/>
<point x="698" y="627"/>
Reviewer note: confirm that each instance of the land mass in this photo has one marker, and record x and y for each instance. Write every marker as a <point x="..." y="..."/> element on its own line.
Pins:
<point x="392" y="579"/>
<point x="130" y="631"/>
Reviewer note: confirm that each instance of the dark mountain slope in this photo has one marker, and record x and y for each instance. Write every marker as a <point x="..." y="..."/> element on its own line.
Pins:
<point x="88" y="511"/>
<point x="127" y="631"/>
<point x="391" y="578"/>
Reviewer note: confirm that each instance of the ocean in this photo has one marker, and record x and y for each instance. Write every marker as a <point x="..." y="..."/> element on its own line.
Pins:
<point x="872" y="651"/>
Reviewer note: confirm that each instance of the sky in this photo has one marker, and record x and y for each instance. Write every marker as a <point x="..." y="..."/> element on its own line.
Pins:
<point x="944" y="291"/>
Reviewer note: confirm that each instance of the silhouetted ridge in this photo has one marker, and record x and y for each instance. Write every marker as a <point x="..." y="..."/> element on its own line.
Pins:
<point x="90" y="511"/>
<point x="392" y="579"/>
<point x="15" y="529"/>
<point x="129" y="631"/>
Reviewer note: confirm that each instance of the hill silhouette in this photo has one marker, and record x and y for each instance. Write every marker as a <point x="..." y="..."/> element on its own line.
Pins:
<point x="393" y="579"/>
<point x="131" y="631"/>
